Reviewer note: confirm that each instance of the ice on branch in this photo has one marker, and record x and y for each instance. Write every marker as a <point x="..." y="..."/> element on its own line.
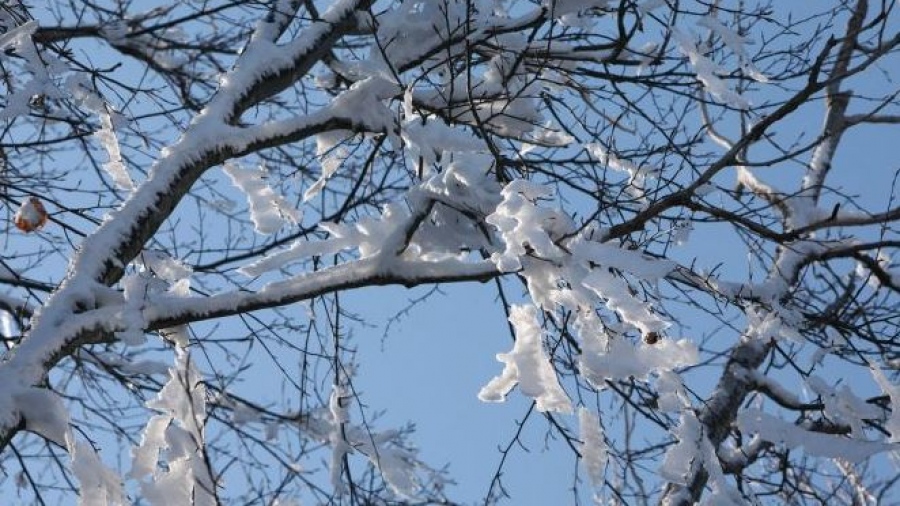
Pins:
<point x="776" y="430"/>
<point x="528" y="366"/>
<point x="169" y="461"/>
<point x="593" y="448"/>
<point x="268" y="210"/>
<point x="707" y="71"/>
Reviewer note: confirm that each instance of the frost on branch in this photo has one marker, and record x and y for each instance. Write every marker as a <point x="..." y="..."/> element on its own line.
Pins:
<point x="169" y="462"/>
<point x="528" y="366"/>
<point x="268" y="210"/>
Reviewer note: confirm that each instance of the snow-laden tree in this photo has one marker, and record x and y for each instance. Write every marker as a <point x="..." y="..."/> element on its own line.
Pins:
<point x="686" y="210"/>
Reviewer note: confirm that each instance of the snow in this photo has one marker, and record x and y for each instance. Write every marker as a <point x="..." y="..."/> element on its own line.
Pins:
<point x="331" y="155"/>
<point x="82" y="91"/>
<point x="7" y="324"/>
<point x="618" y="297"/>
<point x="620" y="359"/>
<point x="17" y="39"/>
<point x="616" y="257"/>
<point x="765" y="324"/>
<point x="736" y="44"/>
<point x="268" y="210"/>
<point x="98" y="485"/>
<point x="843" y="406"/>
<point x="707" y="72"/>
<point x="528" y="366"/>
<point x="562" y="8"/>
<point x="429" y="136"/>
<point x="523" y="225"/>
<point x="44" y="414"/>
<point x="776" y="430"/>
<point x="397" y="466"/>
<point x="593" y="448"/>
<point x="169" y="461"/>
<point x="639" y="175"/>
<point x="340" y="415"/>
<point x="692" y="452"/>
<point x="893" y="391"/>
<point x="163" y="266"/>
<point x="682" y="460"/>
<point x="671" y="391"/>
